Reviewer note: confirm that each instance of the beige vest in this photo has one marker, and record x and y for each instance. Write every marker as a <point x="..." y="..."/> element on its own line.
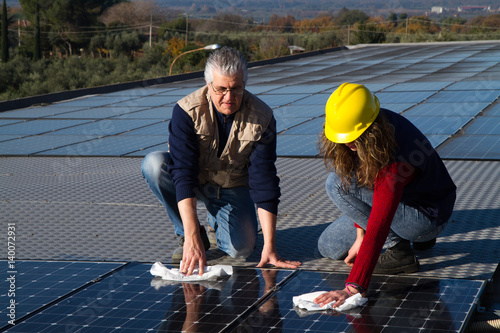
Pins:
<point x="250" y="122"/>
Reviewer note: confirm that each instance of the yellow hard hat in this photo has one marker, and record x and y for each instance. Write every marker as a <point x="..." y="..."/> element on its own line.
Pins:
<point x="349" y="111"/>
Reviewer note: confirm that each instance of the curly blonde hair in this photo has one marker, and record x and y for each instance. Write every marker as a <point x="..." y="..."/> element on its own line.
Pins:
<point x="376" y="148"/>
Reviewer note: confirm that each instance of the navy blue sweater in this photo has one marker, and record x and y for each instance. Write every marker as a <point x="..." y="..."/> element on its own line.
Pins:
<point x="183" y="166"/>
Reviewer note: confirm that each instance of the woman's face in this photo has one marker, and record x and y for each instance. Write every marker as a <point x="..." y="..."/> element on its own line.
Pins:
<point x="351" y="145"/>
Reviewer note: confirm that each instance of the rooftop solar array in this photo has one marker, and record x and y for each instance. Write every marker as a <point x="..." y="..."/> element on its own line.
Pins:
<point x="129" y="299"/>
<point x="88" y="228"/>
<point x="443" y="88"/>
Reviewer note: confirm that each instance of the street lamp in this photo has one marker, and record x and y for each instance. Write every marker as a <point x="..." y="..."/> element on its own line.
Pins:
<point x="208" y="47"/>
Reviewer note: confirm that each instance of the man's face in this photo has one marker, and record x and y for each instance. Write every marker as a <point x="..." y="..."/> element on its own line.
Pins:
<point x="230" y="102"/>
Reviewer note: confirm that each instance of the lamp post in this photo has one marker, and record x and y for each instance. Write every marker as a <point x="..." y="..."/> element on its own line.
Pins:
<point x="208" y="47"/>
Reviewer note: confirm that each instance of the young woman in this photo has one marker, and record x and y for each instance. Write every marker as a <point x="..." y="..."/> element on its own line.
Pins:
<point x="390" y="185"/>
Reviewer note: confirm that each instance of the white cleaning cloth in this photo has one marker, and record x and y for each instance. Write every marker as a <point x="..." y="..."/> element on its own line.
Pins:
<point x="173" y="274"/>
<point x="306" y="301"/>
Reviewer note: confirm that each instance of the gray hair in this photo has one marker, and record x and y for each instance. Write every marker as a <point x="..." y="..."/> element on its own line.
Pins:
<point x="228" y="62"/>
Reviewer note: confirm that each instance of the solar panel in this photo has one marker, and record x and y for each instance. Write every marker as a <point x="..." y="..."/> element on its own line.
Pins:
<point x="39" y="112"/>
<point x="299" y="111"/>
<point x="108" y="146"/>
<point x="439" y="124"/>
<point x="144" y="152"/>
<point x="403" y="97"/>
<point x="418" y="86"/>
<point x="475" y="85"/>
<point x="39" y="283"/>
<point x="282" y="99"/>
<point x="297" y="145"/>
<point x="106" y="127"/>
<point x="284" y="123"/>
<point x="314" y="126"/>
<point x="459" y="96"/>
<point x="447" y="109"/>
<point x="155" y="129"/>
<point x="34" y="144"/>
<point x="39" y="126"/>
<point x="396" y="304"/>
<point x="476" y="147"/>
<point x="163" y="113"/>
<point x="132" y="300"/>
<point x="98" y="112"/>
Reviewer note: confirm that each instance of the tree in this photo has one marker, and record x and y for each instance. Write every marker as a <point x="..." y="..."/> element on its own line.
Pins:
<point x="5" y="36"/>
<point x="67" y="21"/>
<point x="349" y="17"/>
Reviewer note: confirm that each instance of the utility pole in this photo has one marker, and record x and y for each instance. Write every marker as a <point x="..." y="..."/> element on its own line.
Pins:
<point x="187" y="27"/>
<point x="150" y="30"/>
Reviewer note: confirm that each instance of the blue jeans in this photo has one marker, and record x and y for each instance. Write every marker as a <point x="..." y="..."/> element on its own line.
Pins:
<point x="356" y="204"/>
<point x="231" y="211"/>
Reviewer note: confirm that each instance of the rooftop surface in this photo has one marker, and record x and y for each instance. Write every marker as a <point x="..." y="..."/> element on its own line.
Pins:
<point x="87" y="228"/>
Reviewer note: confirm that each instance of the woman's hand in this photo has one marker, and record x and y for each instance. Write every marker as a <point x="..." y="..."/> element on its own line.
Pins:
<point x="339" y="296"/>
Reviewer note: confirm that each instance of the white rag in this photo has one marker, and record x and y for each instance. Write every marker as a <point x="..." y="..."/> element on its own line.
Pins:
<point x="306" y="301"/>
<point x="210" y="273"/>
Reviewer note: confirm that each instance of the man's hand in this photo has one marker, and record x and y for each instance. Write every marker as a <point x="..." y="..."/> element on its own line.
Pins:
<point x="269" y="254"/>
<point x="193" y="252"/>
<point x="271" y="257"/>
<point x="193" y="255"/>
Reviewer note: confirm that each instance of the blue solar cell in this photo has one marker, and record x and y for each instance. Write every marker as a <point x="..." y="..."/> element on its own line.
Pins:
<point x="39" y="112"/>
<point x="283" y="123"/>
<point x="475" y="147"/>
<point x="106" y="127"/>
<point x="93" y="101"/>
<point x="144" y="152"/>
<point x="39" y="283"/>
<point x="403" y="97"/>
<point x="9" y="121"/>
<point x="397" y="107"/>
<point x="314" y="126"/>
<point x="475" y="85"/>
<point x="305" y="89"/>
<point x="33" y="144"/>
<point x="484" y="126"/>
<point x="258" y="89"/>
<point x="445" y="125"/>
<point x="282" y="99"/>
<point x="436" y="139"/>
<point x="98" y="112"/>
<point x="163" y="113"/>
<point x="418" y="86"/>
<point x="108" y="146"/>
<point x="39" y="126"/>
<point x="297" y="145"/>
<point x="494" y="111"/>
<point x="299" y="111"/>
<point x="447" y="109"/>
<point x="460" y="96"/>
<point x="149" y="101"/>
<point x="155" y="129"/>
<point x="6" y="138"/>
<point x="317" y="99"/>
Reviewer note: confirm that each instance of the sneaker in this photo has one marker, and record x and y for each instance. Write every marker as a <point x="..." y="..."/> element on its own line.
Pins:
<point x="397" y="259"/>
<point x="420" y="246"/>
<point x="178" y="252"/>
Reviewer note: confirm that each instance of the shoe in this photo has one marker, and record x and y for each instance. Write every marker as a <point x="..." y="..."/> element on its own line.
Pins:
<point x="420" y="246"/>
<point x="397" y="259"/>
<point x="178" y="252"/>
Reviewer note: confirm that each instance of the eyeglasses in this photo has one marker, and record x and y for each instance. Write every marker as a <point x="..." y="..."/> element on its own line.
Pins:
<point x="224" y="91"/>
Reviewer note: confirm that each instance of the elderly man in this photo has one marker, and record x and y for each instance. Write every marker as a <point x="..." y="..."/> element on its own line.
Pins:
<point x="222" y="151"/>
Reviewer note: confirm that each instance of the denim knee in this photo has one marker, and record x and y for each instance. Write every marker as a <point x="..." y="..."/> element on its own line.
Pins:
<point x="152" y="164"/>
<point x="242" y="248"/>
